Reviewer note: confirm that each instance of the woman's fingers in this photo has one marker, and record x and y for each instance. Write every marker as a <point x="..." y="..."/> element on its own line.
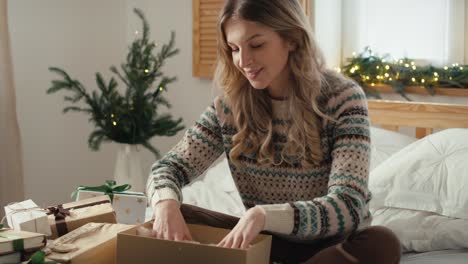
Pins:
<point x="226" y="242"/>
<point x="245" y="243"/>
<point x="179" y="237"/>
<point x="236" y="241"/>
<point x="187" y="234"/>
<point x="170" y="223"/>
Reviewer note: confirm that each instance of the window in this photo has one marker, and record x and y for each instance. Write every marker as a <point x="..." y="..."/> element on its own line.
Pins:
<point x="429" y="31"/>
<point x="420" y="29"/>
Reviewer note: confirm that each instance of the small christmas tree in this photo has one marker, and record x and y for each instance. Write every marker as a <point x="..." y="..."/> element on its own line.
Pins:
<point x="132" y="118"/>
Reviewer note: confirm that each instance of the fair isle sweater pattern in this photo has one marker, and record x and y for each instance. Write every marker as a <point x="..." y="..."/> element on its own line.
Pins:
<point x="329" y="199"/>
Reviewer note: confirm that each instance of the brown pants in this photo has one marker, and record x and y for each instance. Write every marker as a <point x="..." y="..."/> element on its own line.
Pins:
<point x="373" y="245"/>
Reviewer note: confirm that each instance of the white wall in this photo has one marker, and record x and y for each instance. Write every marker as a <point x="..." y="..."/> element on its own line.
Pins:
<point x="84" y="37"/>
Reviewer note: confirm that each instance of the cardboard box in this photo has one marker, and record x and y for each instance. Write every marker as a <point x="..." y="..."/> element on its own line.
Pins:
<point x="98" y="209"/>
<point x="130" y="207"/>
<point x="27" y="216"/>
<point x="133" y="248"/>
<point x="93" y="243"/>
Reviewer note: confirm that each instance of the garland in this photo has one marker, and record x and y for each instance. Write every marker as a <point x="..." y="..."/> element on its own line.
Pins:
<point x="370" y="70"/>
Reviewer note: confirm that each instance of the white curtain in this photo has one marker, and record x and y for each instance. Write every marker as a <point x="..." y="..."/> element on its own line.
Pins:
<point x="328" y="29"/>
<point x="430" y="31"/>
<point x="11" y="175"/>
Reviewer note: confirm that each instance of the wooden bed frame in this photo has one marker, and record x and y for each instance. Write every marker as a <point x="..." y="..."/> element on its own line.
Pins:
<point x="425" y="117"/>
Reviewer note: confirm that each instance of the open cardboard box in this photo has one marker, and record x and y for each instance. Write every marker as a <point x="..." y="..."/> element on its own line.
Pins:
<point x="132" y="248"/>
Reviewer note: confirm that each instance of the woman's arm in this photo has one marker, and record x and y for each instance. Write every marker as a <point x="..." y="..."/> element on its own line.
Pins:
<point x="345" y="205"/>
<point x="201" y="145"/>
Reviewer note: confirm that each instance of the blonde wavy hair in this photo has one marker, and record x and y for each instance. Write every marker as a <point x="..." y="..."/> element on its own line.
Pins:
<point x="251" y="108"/>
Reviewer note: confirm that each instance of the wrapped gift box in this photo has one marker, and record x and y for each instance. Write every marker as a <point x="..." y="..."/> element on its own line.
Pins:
<point x="67" y="217"/>
<point x="12" y="241"/>
<point x="134" y="245"/>
<point x="27" y="216"/>
<point x="129" y="206"/>
<point x="10" y="258"/>
<point x="93" y="243"/>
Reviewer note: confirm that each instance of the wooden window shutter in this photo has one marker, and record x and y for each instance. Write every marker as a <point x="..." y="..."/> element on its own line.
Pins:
<point x="205" y="15"/>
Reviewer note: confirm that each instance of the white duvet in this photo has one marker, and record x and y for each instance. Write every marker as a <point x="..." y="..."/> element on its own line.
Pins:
<point x="215" y="190"/>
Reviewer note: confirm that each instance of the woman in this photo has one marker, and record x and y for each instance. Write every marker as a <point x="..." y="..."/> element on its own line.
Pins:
<point x="297" y="141"/>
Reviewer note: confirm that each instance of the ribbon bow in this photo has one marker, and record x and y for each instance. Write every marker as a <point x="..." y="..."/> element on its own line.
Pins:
<point x="59" y="212"/>
<point x="108" y="188"/>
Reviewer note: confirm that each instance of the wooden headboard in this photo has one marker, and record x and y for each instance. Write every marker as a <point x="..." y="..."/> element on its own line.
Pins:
<point x="424" y="117"/>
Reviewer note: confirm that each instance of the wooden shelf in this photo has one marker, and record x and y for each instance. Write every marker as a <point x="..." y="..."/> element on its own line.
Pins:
<point x="421" y="90"/>
<point x="423" y="116"/>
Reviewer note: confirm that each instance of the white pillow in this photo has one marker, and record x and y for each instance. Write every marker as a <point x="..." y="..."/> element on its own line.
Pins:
<point x="385" y="143"/>
<point x="423" y="231"/>
<point x="428" y="175"/>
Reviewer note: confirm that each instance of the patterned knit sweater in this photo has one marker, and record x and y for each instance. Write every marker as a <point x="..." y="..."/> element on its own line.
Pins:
<point x="329" y="199"/>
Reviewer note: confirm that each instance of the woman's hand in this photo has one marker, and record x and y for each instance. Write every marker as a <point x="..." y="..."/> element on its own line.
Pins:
<point x="248" y="227"/>
<point x="169" y="224"/>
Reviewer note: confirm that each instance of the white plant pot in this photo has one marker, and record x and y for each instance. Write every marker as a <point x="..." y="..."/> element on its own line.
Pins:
<point x="128" y="167"/>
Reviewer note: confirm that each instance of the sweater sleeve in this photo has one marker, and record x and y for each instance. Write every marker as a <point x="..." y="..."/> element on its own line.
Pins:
<point x="344" y="206"/>
<point x="201" y="145"/>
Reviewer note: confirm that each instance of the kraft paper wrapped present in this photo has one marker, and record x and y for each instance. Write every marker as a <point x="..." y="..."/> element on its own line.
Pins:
<point x="91" y="243"/>
<point x="67" y="217"/>
<point x="130" y="207"/>
<point x="27" y="216"/>
<point x="23" y="242"/>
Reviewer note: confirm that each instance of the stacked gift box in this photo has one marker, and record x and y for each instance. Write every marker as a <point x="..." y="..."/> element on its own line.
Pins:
<point x="106" y="224"/>
<point x="16" y="246"/>
<point x="130" y="207"/>
<point x="67" y="217"/>
<point x="94" y="206"/>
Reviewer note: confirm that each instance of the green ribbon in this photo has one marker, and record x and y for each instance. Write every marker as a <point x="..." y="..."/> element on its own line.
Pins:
<point x="130" y="193"/>
<point x="18" y="242"/>
<point x="108" y="188"/>
<point x="39" y="258"/>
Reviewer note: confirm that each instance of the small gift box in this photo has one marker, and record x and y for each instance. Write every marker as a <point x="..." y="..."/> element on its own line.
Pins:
<point x="27" y="216"/>
<point x="67" y="217"/>
<point x="130" y="207"/>
<point x="10" y="258"/>
<point x="12" y="241"/>
<point x="91" y="243"/>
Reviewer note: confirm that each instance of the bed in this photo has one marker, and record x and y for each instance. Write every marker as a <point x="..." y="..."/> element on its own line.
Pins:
<point x="425" y="118"/>
<point x="430" y="225"/>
